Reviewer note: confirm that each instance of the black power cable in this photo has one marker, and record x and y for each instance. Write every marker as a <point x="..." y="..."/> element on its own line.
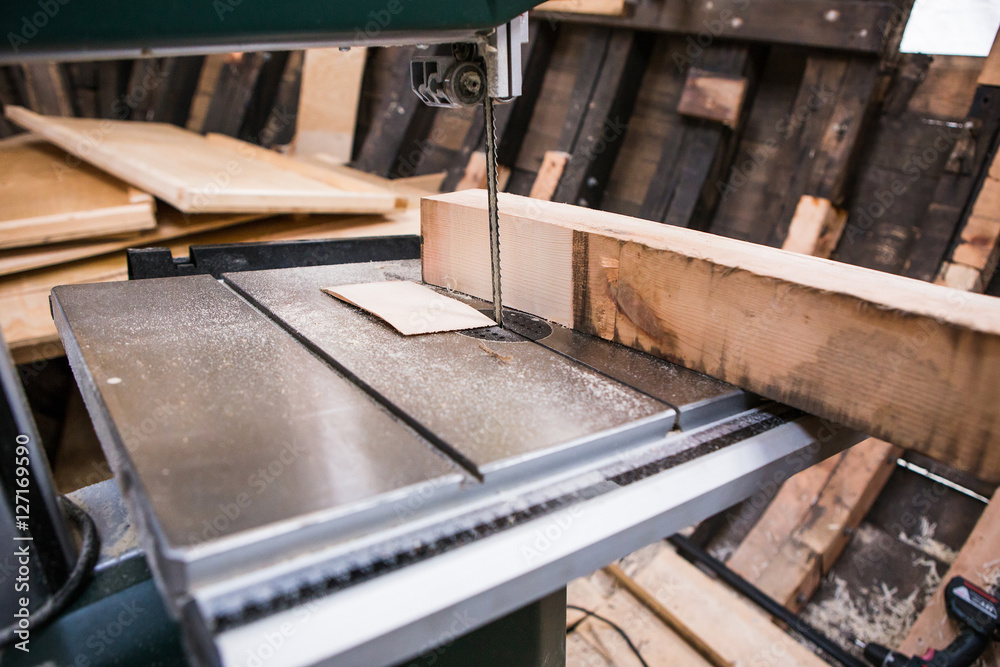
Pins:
<point x="688" y="550"/>
<point x="90" y="548"/>
<point x="614" y="625"/>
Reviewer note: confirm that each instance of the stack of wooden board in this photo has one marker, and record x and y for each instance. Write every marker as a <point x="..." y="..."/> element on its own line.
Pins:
<point x="45" y="197"/>
<point x="193" y="173"/>
<point x="74" y="193"/>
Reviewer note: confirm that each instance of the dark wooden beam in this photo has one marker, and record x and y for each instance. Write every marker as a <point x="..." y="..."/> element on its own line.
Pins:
<point x="48" y="90"/>
<point x="233" y="92"/>
<point x="112" y="82"/>
<point x="269" y="82"/>
<point x="399" y="119"/>
<point x="597" y="122"/>
<point x="834" y="105"/>
<point x="963" y="176"/>
<point x="683" y="190"/>
<point x="279" y="127"/>
<point x="851" y="25"/>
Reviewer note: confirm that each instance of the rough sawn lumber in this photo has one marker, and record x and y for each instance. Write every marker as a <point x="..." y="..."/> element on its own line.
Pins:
<point x="905" y="361"/>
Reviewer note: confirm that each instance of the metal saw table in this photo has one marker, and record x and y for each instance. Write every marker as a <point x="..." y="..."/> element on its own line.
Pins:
<point x="310" y="485"/>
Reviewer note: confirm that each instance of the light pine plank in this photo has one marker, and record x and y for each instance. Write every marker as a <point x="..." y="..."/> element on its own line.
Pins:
<point x="604" y="7"/>
<point x="411" y="308"/>
<point x="866" y="349"/>
<point x="25" y="318"/>
<point x="549" y="174"/>
<point x="191" y="173"/>
<point x="713" y="96"/>
<point x="598" y="644"/>
<point x="816" y="227"/>
<point x="170" y="224"/>
<point x="737" y="631"/>
<point x="48" y="196"/>
<point x="328" y="102"/>
<point x="674" y="622"/>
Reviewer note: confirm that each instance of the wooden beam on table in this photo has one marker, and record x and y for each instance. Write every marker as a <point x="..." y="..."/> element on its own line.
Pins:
<point x="849" y="344"/>
<point x="979" y="562"/>
<point x="837" y="24"/>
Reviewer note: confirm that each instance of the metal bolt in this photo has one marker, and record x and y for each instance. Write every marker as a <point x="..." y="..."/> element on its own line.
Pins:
<point x="471" y="82"/>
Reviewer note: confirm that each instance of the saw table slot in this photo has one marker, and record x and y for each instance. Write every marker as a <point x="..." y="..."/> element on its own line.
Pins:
<point x="223" y="422"/>
<point x="504" y="417"/>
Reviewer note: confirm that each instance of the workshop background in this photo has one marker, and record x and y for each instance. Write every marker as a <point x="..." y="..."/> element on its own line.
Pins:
<point x="795" y="124"/>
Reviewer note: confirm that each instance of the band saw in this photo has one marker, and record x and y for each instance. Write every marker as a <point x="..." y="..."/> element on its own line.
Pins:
<point x="311" y="487"/>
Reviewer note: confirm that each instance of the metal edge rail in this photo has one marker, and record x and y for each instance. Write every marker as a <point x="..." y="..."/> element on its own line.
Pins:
<point x="390" y="618"/>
